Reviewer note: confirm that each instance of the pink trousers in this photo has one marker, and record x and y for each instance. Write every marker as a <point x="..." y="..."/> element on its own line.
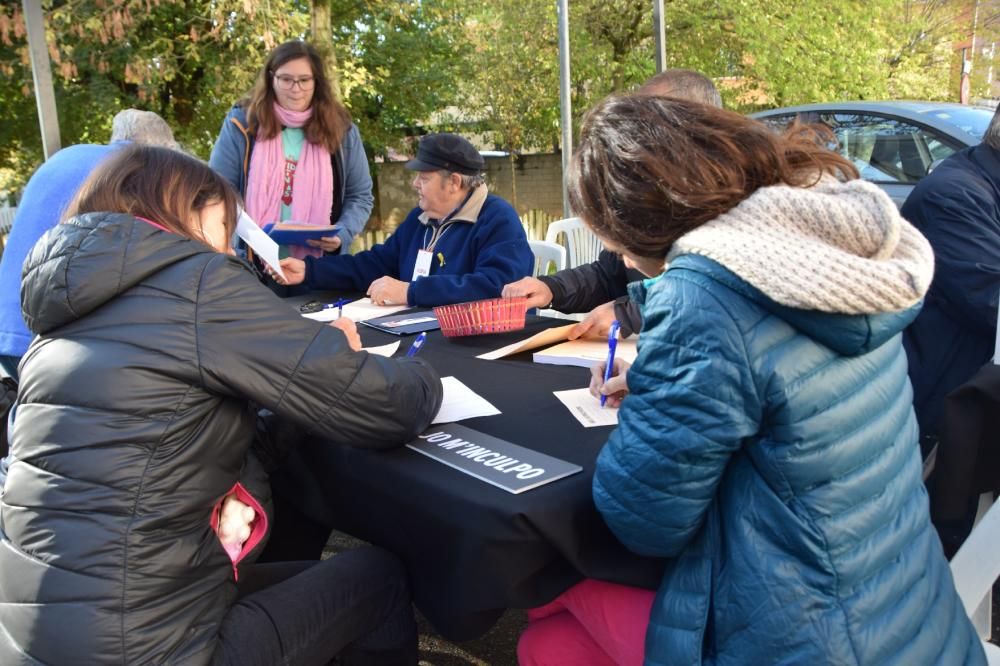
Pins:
<point x="591" y="624"/>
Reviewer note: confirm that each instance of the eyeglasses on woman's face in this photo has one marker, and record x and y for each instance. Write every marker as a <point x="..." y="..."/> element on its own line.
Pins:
<point x="285" y="82"/>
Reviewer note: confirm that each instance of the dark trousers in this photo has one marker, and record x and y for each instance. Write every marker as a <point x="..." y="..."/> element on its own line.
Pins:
<point x="355" y="605"/>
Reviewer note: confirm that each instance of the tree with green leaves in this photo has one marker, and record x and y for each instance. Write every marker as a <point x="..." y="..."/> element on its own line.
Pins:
<point x="512" y="81"/>
<point x="188" y="60"/>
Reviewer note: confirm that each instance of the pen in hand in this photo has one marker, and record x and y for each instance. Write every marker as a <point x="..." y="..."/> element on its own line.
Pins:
<point x="612" y="346"/>
<point x="417" y="344"/>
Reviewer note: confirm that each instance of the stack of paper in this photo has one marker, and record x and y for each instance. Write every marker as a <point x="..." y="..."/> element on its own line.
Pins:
<point x="358" y="311"/>
<point x="585" y="352"/>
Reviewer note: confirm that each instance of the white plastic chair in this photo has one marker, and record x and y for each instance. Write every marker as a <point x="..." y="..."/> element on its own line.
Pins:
<point x="581" y="243"/>
<point x="547" y="253"/>
<point x="975" y="568"/>
<point x="6" y="222"/>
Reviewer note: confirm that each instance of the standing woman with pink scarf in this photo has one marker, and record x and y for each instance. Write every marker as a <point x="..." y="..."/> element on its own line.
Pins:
<point x="291" y="150"/>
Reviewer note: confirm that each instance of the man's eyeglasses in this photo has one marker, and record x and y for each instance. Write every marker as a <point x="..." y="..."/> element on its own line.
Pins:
<point x="288" y="82"/>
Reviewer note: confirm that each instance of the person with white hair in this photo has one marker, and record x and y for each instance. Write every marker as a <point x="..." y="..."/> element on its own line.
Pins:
<point x="600" y="288"/>
<point x="140" y="126"/>
<point x="45" y="197"/>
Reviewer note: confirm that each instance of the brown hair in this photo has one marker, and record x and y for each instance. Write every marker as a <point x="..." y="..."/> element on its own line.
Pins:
<point x="650" y="169"/>
<point x="162" y="185"/>
<point x="330" y="120"/>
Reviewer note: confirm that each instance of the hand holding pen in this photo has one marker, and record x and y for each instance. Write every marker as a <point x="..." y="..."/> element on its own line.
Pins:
<point x="608" y="379"/>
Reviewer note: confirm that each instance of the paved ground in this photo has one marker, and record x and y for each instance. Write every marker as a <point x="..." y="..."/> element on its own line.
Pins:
<point x="497" y="648"/>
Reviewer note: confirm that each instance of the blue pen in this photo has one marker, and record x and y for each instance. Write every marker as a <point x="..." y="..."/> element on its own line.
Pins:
<point x="417" y="344"/>
<point x="339" y="304"/>
<point x="612" y="346"/>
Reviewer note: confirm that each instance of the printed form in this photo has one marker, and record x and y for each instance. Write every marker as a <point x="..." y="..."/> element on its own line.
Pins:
<point x="587" y="409"/>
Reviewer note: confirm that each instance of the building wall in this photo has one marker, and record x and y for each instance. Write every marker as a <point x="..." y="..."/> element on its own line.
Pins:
<point x="538" y="179"/>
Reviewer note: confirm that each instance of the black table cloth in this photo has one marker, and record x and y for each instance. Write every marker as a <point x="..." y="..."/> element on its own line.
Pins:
<point x="473" y="550"/>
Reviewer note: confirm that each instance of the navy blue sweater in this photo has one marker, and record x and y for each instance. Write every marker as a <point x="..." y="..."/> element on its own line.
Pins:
<point x="957" y="207"/>
<point x="471" y="261"/>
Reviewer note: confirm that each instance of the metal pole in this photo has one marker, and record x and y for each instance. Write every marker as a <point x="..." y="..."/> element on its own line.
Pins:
<point x="565" y="103"/>
<point x="41" y="74"/>
<point x="659" y="36"/>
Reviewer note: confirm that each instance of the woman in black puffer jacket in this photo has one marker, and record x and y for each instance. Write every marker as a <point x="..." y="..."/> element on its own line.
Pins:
<point x="134" y="425"/>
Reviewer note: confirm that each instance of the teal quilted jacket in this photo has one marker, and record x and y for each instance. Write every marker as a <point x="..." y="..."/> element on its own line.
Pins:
<point x="772" y="454"/>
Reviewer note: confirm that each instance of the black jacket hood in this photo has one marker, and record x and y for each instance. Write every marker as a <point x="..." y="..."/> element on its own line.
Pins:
<point x="80" y="265"/>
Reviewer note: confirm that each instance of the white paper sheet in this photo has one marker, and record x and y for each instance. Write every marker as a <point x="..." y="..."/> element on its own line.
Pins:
<point x="587" y="409"/>
<point x="359" y="310"/>
<point x="259" y="242"/>
<point x="460" y="402"/>
<point x="384" y="350"/>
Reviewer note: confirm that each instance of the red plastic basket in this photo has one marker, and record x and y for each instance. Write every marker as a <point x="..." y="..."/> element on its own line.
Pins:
<point x="494" y="315"/>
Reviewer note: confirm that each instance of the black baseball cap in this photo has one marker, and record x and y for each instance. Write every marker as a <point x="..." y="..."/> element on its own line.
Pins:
<point x="449" y="152"/>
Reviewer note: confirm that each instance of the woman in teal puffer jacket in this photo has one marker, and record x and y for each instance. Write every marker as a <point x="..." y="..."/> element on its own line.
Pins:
<point x="766" y="440"/>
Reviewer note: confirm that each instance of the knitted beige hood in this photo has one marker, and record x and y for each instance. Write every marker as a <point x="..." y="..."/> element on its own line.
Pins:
<point x="835" y="247"/>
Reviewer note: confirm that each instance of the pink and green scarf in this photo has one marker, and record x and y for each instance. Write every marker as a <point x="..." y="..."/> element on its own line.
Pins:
<point x="313" y="185"/>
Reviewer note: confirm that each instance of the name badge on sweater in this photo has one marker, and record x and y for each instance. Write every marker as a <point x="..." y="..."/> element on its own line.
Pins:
<point x="422" y="267"/>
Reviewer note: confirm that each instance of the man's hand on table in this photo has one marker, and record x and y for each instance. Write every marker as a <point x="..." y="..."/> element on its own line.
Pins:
<point x="388" y="291"/>
<point x="616" y="387"/>
<point x="537" y="292"/>
<point x="596" y="324"/>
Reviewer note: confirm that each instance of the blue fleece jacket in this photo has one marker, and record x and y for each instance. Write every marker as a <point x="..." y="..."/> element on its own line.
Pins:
<point x="45" y="197"/>
<point x="472" y="260"/>
<point x="352" y="198"/>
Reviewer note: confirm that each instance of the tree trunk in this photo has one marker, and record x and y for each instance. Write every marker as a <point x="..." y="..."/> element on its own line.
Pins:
<point x="321" y="35"/>
<point x="513" y="181"/>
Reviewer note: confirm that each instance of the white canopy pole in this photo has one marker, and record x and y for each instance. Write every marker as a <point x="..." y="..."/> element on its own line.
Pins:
<point x="659" y="36"/>
<point x="565" y="104"/>
<point x="41" y="74"/>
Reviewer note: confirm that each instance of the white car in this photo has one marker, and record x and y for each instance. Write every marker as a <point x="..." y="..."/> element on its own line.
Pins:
<point x="893" y="144"/>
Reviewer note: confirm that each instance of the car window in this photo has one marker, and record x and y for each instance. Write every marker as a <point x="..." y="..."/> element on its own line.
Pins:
<point x="939" y="150"/>
<point x="973" y="120"/>
<point x="884" y="150"/>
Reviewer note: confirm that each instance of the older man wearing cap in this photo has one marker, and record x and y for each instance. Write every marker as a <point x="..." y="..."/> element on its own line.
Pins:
<point x="460" y="243"/>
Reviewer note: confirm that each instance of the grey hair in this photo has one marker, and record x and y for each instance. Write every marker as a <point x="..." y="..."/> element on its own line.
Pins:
<point x="468" y="182"/>
<point x="992" y="136"/>
<point x="142" y="127"/>
<point x="682" y="84"/>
